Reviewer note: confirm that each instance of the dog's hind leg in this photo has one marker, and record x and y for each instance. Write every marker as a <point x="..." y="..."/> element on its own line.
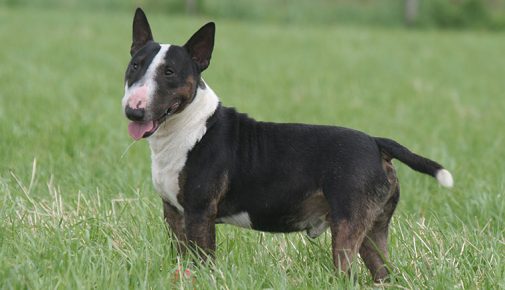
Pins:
<point x="175" y="222"/>
<point x="345" y="239"/>
<point x="374" y="250"/>
<point x="349" y="222"/>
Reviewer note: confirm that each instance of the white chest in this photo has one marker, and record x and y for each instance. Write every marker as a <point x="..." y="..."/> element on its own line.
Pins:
<point x="165" y="174"/>
<point x="173" y="141"/>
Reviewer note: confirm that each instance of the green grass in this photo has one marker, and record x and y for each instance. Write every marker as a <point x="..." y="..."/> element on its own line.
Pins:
<point x="74" y="213"/>
<point x="461" y="14"/>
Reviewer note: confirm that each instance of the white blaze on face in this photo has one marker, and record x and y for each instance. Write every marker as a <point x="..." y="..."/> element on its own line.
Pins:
<point x="140" y="94"/>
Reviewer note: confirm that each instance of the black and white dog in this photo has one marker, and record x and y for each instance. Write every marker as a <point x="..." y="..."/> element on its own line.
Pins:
<point x="213" y="165"/>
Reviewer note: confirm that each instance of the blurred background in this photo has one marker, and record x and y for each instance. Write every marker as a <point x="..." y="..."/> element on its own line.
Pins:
<point x="483" y="14"/>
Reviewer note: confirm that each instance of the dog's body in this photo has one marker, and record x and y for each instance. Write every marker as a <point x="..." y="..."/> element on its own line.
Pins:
<point x="213" y="165"/>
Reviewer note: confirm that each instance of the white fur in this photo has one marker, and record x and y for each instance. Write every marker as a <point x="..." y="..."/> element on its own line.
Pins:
<point x="240" y="219"/>
<point x="148" y="78"/>
<point x="444" y="177"/>
<point x="171" y="143"/>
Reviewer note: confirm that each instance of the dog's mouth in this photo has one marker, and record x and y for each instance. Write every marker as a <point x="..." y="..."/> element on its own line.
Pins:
<point x="139" y="130"/>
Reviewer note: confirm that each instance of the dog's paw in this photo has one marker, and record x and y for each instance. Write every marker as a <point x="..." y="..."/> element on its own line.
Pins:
<point x="181" y="275"/>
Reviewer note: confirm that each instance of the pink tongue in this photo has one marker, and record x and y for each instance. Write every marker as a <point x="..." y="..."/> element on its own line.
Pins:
<point x="138" y="129"/>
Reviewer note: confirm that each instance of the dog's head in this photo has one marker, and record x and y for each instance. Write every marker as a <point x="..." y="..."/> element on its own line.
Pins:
<point x="162" y="79"/>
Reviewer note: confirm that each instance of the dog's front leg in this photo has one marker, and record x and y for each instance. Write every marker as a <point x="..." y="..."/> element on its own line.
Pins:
<point x="175" y="221"/>
<point x="201" y="230"/>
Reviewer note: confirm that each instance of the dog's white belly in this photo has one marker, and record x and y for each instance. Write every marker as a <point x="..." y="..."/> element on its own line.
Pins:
<point x="241" y="219"/>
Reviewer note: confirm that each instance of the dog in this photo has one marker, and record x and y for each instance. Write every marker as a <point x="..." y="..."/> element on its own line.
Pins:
<point x="212" y="164"/>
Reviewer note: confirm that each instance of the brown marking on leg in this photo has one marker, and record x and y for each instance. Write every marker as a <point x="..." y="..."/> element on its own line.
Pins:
<point x="201" y="231"/>
<point x="346" y="237"/>
<point x="175" y="222"/>
<point x="201" y="222"/>
<point x="374" y="253"/>
<point x="374" y="250"/>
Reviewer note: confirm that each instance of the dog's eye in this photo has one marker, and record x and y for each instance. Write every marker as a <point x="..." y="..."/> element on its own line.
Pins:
<point x="169" y="71"/>
<point x="135" y="66"/>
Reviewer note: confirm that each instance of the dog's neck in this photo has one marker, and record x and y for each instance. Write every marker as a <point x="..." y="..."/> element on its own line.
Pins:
<point x="182" y="131"/>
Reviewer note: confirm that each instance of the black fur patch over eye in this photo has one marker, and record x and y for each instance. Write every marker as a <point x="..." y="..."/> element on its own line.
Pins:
<point x="140" y="62"/>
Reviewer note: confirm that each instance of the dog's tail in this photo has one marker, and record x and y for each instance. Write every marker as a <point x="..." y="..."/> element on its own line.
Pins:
<point x="414" y="161"/>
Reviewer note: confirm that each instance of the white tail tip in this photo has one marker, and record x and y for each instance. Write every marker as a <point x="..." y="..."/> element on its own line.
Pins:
<point x="444" y="177"/>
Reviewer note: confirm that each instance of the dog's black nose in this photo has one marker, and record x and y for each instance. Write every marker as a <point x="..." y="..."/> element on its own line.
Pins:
<point x="134" y="114"/>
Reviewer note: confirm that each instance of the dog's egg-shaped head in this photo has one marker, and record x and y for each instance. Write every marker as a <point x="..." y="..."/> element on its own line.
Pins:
<point x="162" y="79"/>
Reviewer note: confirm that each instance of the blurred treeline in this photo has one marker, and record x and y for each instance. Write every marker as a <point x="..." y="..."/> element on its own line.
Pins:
<point x="455" y="14"/>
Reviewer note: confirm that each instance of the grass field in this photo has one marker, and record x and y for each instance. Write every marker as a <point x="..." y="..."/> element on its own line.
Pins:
<point x="78" y="212"/>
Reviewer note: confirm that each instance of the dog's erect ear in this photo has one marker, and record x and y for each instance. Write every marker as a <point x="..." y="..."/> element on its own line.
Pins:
<point x="141" y="31"/>
<point x="201" y="44"/>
